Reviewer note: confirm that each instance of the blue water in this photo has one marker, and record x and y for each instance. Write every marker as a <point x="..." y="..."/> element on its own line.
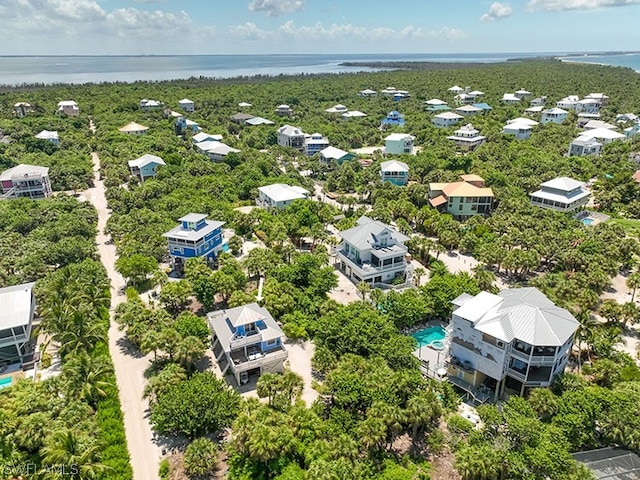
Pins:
<point x="588" y="221"/>
<point x="630" y="60"/>
<point x="429" y="335"/>
<point x="16" y="70"/>
<point x="5" y="382"/>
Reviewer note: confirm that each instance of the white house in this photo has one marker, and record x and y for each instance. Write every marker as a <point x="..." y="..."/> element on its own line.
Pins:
<point x="583" y="146"/>
<point x="394" y="172"/>
<point x="147" y="105"/>
<point x="587" y="105"/>
<point x="284" y="111"/>
<point x="22" y="109"/>
<point x="292" y="137"/>
<point x="455" y="89"/>
<point x="553" y="115"/>
<point x="353" y="114"/>
<point x="534" y="111"/>
<point x="603" y="135"/>
<point x="314" y="143"/>
<point x="69" y="108"/>
<point x="467" y="137"/>
<point x="464" y="99"/>
<point x="145" y="166"/>
<point x="16" y="323"/>
<point x="562" y="194"/>
<point x="435" y="102"/>
<point x="49" y="136"/>
<point x="206" y="137"/>
<point x="522" y="93"/>
<point x="187" y="105"/>
<point x="520" y="128"/>
<point x="23" y="180"/>
<point x="367" y="93"/>
<point x="216" y="151"/>
<point x="538" y="102"/>
<point x="332" y="154"/>
<point x="568" y="103"/>
<point x="593" y="124"/>
<point x="469" y="110"/>
<point x="337" y="109"/>
<point x="134" y="128"/>
<point x="398" y="144"/>
<point x="584" y="118"/>
<point x="510" y="99"/>
<point x="372" y="252"/>
<point x="255" y="121"/>
<point x="515" y="340"/>
<point x="247" y="341"/>
<point x="446" y="119"/>
<point x="280" y="195"/>
<point x="626" y="117"/>
<point x="600" y="97"/>
<point x="244" y="105"/>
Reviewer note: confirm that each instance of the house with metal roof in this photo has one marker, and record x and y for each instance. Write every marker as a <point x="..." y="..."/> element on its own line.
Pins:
<point x="49" y="136"/>
<point x="195" y="236"/>
<point x="255" y="121"/>
<point x="520" y="127"/>
<point x="16" y="322"/>
<point x="515" y="340"/>
<point x="241" y="118"/>
<point x="373" y="252"/>
<point x="206" y="137"/>
<point x="293" y="137"/>
<point x="563" y="194"/>
<point x="510" y="99"/>
<point x="394" y="172"/>
<point x="284" y="111"/>
<point x="186" y="105"/>
<point x="468" y="110"/>
<point x="522" y="93"/>
<point x="583" y="146"/>
<point x="22" y="109"/>
<point x="446" y="119"/>
<point x="568" y="103"/>
<point x="393" y="118"/>
<point x="399" y="144"/>
<point x="462" y="199"/>
<point x="467" y="137"/>
<point x="145" y="166"/>
<point x="134" y="128"/>
<point x="147" y="105"/>
<point x="24" y="180"/>
<point x="332" y="154"/>
<point x="367" y="92"/>
<point x="553" y="115"/>
<point x="280" y="195"/>
<point x="314" y="143"/>
<point x="216" y="151"/>
<point x="247" y="341"/>
<point x="69" y="108"/>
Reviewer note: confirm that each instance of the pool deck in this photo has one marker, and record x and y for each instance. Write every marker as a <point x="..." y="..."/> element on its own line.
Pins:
<point x="431" y="360"/>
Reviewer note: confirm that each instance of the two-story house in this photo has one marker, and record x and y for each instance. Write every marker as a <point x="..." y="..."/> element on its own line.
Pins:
<point x="186" y="105"/>
<point x="372" y="252"/>
<point x="515" y="340"/>
<point x="16" y="322"/>
<point x="446" y="119"/>
<point x="520" y="127"/>
<point x="393" y="118"/>
<point x="145" y="166"/>
<point x="399" y="144"/>
<point x="247" y="341"/>
<point x="332" y="155"/>
<point x="394" y="172"/>
<point x="522" y="93"/>
<point x="284" y="111"/>
<point x="22" y="109"/>
<point x="280" y="195"/>
<point x="195" y="237"/>
<point x="553" y="115"/>
<point x="562" y="194"/>
<point x="469" y="110"/>
<point x="467" y="137"/>
<point x="292" y="137"/>
<point x="510" y="99"/>
<point x="69" y="108"/>
<point x="462" y="199"/>
<point x="147" y="105"/>
<point x="23" y="180"/>
<point x="314" y="143"/>
<point x="583" y="146"/>
<point x="49" y="136"/>
<point x="568" y="103"/>
<point x="367" y="92"/>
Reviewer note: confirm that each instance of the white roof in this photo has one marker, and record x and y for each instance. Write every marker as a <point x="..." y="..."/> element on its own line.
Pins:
<point x="67" y="103"/>
<point x="281" y="192"/>
<point x="526" y="121"/>
<point x="536" y="109"/>
<point x="587" y="101"/>
<point x="258" y="121"/>
<point x="593" y="124"/>
<point x="455" y="88"/>
<point x="221" y="320"/>
<point x="510" y="97"/>
<point x="336" y="109"/>
<point x="394" y="166"/>
<point x="16" y="306"/>
<point x="146" y="159"/>
<point x="554" y="111"/>
<point x="47" y="135"/>
<point x="435" y="101"/>
<point x="603" y="133"/>
<point x="468" y="108"/>
<point x="22" y="104"/>
<point x="184" y="100"/>
<point x="563" y="183"/>
<point x="283" y="107"/>
<point x="448" y="115"/>
<point x="179" y="232"/>
<point x="23" y="170"/>
<point x="244" y="104"/>
<point x="219" y="148"/>
<point x="133" y="127"/>
<point x="290" y="131"/>
<point x="206" y="137"/>
<point x="394" y="137"/>
<point x="586" y="141"/>
<point x="524" y="314"/>
<point x="365" y="235"/>
<point x="476" y="93"/>
<point x="522" y="91"/>
<point x="367" y="91"/>
<point x="353" y="113"/>
<point x="333" y="153"/>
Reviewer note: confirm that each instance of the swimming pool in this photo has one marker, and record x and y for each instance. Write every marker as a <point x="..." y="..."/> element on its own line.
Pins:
<point x="429" y="335"/>
<point x="5" y="382"/>
<point x="588" y="221"/>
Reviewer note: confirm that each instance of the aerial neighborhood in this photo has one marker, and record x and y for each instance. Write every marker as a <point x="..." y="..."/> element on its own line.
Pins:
<point x="398" y="290"/>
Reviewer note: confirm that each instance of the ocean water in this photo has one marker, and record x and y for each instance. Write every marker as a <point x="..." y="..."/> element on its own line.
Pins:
<point x="15" y="70"/>
<point x="629" y="60"/>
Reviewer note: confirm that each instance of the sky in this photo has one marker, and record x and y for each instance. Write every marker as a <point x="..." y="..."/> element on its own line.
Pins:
<point x="134" y="27"/>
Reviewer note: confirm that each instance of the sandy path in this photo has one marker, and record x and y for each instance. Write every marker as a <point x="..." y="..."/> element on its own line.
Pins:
<point x="129" y="367"/>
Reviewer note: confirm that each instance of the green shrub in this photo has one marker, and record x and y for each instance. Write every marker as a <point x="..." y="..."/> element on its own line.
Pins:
<point x="46" y="360"/>
<point x="200" y="457"/>
<point x="163" y="471"/>
<point x="458" y="424"/>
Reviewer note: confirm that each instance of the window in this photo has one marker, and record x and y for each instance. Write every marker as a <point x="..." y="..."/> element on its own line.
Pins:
<point x="271" y="343"/>
<point x="461" y="206"/>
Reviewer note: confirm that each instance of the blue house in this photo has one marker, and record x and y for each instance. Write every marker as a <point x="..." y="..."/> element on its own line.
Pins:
<point x="247" y="341"/>
<point x="146" y="166"/>
<point x="483" y="106"/>
<point x="195" y="237"/>
<point x="393" y="118"/>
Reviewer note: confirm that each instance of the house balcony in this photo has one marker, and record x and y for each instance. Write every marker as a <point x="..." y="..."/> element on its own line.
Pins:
<point x="13" y="340"/>
<point x="368" y="267"/>
<point x="250" y="338"/>
<point x="241" y="362"/>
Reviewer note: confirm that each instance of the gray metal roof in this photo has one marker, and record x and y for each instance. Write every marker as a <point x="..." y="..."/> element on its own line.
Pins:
<point x="220" y="322"/>
<point x="193" y="235"/>
<point x="524" y="314"/>
<point x="23" y="170"/>
<point x="146" y="159"/>
<point x="15" y="306"/>
<point x="366" y="233"/>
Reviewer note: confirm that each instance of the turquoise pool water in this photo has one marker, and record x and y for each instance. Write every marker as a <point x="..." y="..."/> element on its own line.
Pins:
<point x="587" y="221"/>
<point x="5" y="382"/>
<point x="429" y="335"/>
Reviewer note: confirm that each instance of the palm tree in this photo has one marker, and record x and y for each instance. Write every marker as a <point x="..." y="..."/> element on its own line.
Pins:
<point x="292" y="385"/>
<point x="188" y="351"/>
<point x="421" y="411"/>
<point x="79" y="456"/>
<point x="633" y="282"/>
<point x="483" y="277"/>
<point x="418" y="273"/>
<point x="372" y="433"/>
<point x="363" y="288"/>
<point x="200" y="457"/>
<point x="87" y="377"/>
<point x="151" y="342"/>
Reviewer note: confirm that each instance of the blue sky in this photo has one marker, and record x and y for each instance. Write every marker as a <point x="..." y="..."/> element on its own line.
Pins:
<point x="46" y="27"/>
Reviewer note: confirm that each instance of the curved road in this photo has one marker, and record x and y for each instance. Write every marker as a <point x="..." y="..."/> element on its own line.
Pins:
<point x="129" y="365"/>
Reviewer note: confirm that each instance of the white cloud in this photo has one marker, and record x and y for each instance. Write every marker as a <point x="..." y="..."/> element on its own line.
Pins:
<point x="275" y="8"/>
<point x="127" y="21"/>
<point x="558" y="5"/>
<point x="335" y="31"/>
<point x="497" y="11"/>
